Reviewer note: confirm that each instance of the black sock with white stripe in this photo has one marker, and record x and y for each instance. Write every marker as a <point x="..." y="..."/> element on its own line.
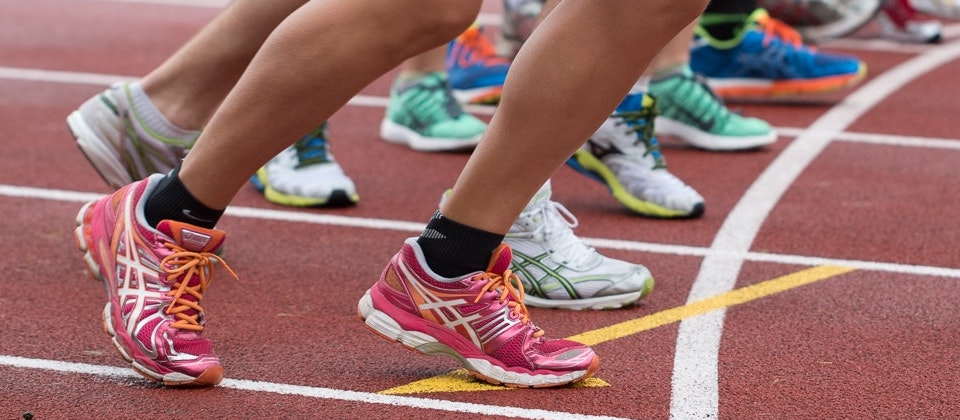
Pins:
<point x="453" y="249"/>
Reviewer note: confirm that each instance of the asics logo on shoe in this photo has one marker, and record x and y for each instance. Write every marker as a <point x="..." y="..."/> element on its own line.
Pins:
<point x="528" y="264"/>
<point x="448" y="311"/>
<point x="194" y="240"/>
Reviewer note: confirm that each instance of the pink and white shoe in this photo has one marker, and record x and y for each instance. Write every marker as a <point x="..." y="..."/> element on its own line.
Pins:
<point x="155" y="280"/>
<point x="479" y="319"/>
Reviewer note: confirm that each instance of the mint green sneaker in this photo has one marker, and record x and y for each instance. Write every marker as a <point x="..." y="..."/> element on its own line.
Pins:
<point x="690" y="111"/>
<point x="424" y="115"/>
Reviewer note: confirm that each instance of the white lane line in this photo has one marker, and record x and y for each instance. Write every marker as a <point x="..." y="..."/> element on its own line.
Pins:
<point x="485" y="19"/>
<point x="883" y="139"/>
<point x="98" y="79"/>
<point x="695" y="389"/>
<point x="293" y="216"/>
<point x="307" y="391"/>
<point x="103" y="80"/>
<point x="213" y="4"/>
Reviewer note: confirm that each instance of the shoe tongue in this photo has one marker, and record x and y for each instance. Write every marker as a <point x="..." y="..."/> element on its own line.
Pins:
<point x="541" y="197"/>
<point x="635" y="102"/>
<point x="500" y="261"/>
<point x="192" y="238"/>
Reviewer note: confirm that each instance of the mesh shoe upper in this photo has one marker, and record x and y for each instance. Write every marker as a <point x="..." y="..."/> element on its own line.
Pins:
<point x="558" y="270"/>
<point x="946" y="9"/>
<point x="119" y="142"/>
<point x="822" y="20"/>
<point x="689" y="110"/>
<point x="423" y="114"/>
<point x="625" y="155"/>
<point x="480" y="319"/>
<point x="519" y="19"/>
<point x="155" y="280"/>
<point x="306" y="174"/>
<point x="476" y="71"/>
<point x="768" y="58"/>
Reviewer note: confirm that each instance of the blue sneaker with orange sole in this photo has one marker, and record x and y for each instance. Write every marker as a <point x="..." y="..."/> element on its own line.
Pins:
<point x="767" y="58"/>
<point x="475" y="70"/>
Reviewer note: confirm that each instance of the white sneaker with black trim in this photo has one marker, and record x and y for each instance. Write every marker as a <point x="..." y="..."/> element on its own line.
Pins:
<point x="558" y="270"/>
<point x="624" y="155"/>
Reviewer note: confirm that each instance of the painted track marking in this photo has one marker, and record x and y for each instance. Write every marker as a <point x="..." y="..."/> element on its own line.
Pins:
<point x="695" y="376"/>
<point x="307" y="391"/>
<point x="15" y="191"/>
<point x="459" y="380"/>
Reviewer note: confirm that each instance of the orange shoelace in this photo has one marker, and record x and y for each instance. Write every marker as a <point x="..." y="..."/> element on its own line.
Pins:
<point x="185" y="266"/>
<point x="482" y="48"/>
<point x="775" y="28"/>
<point x="508" y="285"/>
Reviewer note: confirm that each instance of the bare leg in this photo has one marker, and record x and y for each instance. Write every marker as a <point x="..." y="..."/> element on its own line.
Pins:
<point x="190" y="84"/>
<point x="538" y="124"/>
<point x="676" y="53"/>
<point x="427" y="62"/>
<point x="331" y="47"/>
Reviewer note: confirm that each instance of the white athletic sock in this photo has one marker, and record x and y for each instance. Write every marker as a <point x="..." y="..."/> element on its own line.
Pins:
<point x="151" y="117"/>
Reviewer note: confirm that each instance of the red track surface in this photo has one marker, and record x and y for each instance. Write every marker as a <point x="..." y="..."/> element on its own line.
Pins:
<point x="877" y="340"/>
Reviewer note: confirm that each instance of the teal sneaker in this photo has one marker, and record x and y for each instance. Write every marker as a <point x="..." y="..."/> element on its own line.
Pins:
<point x="424" y="115"/>
<point x="690" y="111"/>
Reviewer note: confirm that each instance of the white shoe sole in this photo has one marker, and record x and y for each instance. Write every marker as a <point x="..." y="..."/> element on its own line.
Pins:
<point x="399" y="134"/>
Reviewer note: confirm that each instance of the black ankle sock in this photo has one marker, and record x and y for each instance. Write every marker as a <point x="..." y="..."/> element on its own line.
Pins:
<point x="453" y="249"/>
<point x="170" y="200"/>
<point x="723" y="18"/>
<point x="744" y="7"/>
<point x="723" y="31"/>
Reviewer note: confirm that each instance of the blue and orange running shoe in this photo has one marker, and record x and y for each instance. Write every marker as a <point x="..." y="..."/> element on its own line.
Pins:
<point x="155" y="280"/>
<point x="475" y="70"/>
<point x="768" y="58"/>
<point x="479" y="319"/>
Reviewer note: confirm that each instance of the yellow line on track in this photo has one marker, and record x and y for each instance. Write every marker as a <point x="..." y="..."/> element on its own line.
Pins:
<point x="459" y="380"/>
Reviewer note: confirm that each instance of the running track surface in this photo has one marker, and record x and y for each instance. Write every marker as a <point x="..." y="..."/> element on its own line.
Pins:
<point x="821" y="283"/>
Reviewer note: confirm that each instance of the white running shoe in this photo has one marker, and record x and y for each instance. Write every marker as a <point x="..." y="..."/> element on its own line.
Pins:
<point x="822" y="20"/>
<point x="306" y="175"/>
<point x="119" y="143"/>
<point x="519" y="18"/>
<point x="944" y="9"/>
<point x="558" y="270"/>
<point x="625" y="156"/>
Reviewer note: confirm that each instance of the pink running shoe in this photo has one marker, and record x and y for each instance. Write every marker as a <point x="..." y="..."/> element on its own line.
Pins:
<point x="479" y="319"/>
<point x="155" y="280"/>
